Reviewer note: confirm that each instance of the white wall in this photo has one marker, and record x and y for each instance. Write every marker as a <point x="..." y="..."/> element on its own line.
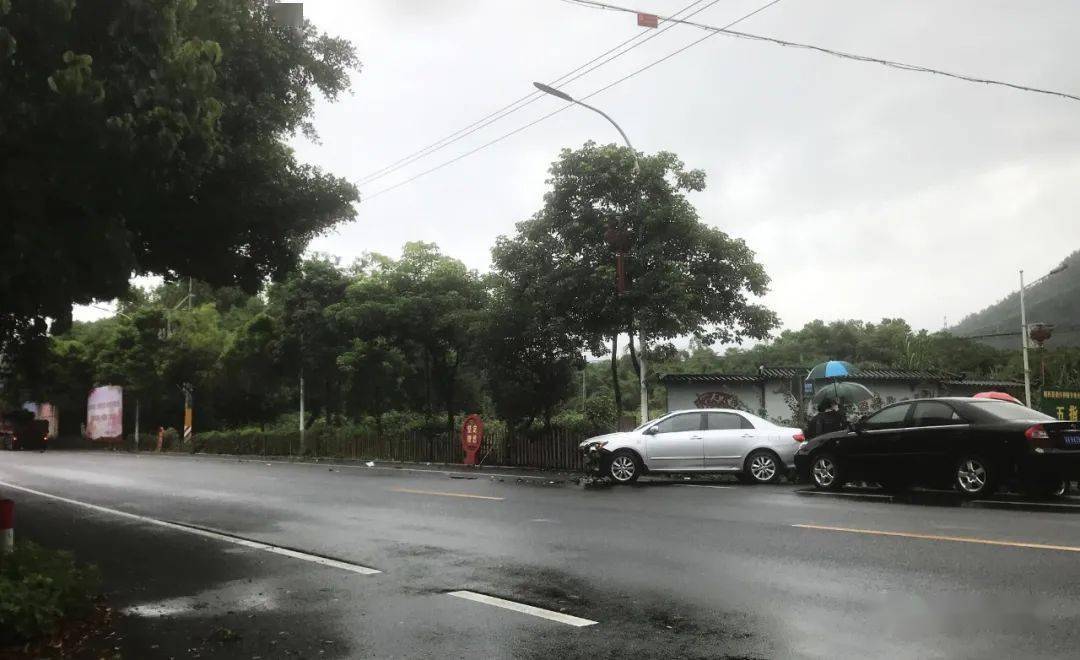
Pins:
<point x="747" y="396"/>
<point x="778" y="400"/>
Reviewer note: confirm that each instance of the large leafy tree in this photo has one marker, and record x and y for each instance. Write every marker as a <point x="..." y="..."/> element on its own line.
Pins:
<point x="431" y="307"/>
<point x="310" y="344"/>
<point x="149" y="136"/>
<point x="532" y="356"/>
<point x="682" y="276"/>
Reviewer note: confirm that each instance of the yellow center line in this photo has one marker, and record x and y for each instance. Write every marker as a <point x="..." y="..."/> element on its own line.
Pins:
<point x="936" y="537"/>
<point x="441" y="494"/>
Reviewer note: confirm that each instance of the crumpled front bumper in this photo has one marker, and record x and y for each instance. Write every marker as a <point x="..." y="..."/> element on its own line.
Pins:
<point x="596" y="459"/>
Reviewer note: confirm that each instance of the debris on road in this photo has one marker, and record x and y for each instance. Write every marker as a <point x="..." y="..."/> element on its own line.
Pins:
<point x="370" y="464"/>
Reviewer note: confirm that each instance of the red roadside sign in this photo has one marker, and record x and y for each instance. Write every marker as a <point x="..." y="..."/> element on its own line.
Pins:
<point x="648" y="20"/>
<point x="472" y="434"/>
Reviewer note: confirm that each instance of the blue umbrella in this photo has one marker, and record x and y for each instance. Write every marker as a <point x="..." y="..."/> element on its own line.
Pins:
<point x="831" y="369"/>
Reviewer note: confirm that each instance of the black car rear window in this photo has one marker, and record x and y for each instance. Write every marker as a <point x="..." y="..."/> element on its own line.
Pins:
<point x="1006" y="411"/>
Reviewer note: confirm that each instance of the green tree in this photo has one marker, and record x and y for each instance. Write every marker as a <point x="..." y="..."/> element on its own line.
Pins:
<point x="310" y="341"/>
<point x="683" y="277"/>
<point x="375" y="370"/>
<point x="151" y="137"/>
<point x="253" y="388"/>
<point x="429" y="306"/>
<point x="531" y="356"/>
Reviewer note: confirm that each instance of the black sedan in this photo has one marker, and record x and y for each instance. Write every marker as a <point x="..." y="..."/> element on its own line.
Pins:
<point x="974" y="445"/>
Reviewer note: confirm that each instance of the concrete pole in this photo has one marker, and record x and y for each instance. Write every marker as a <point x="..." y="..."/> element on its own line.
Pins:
<point x="301" y="411"/>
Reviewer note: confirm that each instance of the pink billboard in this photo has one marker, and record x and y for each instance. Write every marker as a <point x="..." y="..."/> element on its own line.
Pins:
<point x="105" y="413"/>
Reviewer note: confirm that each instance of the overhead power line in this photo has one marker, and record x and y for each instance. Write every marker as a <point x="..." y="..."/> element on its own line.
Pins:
<point x="533" y="96"/>
<point x="836" y="53"/>
<point x="568" y="105"/>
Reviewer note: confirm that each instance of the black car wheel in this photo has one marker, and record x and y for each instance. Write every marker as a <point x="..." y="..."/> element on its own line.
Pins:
<point x="624" y="467"/>
<point x="975" y="476"/>
<point x="825" y="472"/>
<point x="762" y="467"/>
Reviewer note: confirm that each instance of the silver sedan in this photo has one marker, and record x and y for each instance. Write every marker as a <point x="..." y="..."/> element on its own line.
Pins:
<point x="699" y="441"/>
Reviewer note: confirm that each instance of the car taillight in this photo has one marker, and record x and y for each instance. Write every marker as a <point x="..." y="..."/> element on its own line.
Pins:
<point x="799" y="437"/>
<point x="1037" y="436"/>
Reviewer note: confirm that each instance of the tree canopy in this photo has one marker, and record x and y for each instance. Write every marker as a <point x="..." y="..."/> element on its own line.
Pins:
<point x="150" y="138"/>
<point x="683" y="277"/>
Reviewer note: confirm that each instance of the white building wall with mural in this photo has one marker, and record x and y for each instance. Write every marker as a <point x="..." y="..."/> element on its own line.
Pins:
<point x="778" y="394"/>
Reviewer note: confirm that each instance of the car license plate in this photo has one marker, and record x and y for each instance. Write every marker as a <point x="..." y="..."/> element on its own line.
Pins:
<point x="1072" y="440"/>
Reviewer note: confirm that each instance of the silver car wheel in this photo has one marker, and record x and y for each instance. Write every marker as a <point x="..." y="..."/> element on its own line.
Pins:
<point x="623" y="468"/>
<point x="763" y="467"/>
<point x="824" y="472"/>
<point x="971" y="475"/>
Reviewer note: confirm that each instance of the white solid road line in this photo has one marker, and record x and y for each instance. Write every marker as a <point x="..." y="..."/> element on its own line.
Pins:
<point x="197" y="531"/>
<point x="558" y="617"/>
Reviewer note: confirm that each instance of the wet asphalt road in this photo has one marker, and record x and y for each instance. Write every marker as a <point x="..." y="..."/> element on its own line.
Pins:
<point x="665" y="568"/>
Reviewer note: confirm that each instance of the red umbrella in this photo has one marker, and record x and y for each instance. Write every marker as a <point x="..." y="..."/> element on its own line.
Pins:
<point x="1000" y="396"/>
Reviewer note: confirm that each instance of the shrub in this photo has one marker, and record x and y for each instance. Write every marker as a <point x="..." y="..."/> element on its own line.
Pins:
<point x="38" y="588"/>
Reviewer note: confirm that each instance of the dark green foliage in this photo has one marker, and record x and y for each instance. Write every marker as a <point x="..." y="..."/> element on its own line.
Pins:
<point x="151" y="137"/>
<point x="39" y="588"/>
<point x="683" y="277"/>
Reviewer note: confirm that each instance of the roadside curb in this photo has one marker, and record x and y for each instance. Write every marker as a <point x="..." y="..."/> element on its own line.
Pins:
<point x="506" y="471"/>
<point x="945" y="499"/>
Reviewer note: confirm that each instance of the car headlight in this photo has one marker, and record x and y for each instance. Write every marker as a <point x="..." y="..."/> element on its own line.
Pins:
<point x="596" y="446"/>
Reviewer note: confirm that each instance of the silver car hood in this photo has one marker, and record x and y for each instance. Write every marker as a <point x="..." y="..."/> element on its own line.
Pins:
<point x="607" y="437"/>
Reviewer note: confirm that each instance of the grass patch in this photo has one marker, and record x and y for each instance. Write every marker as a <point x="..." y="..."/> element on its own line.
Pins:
<point x="39" y="588"/>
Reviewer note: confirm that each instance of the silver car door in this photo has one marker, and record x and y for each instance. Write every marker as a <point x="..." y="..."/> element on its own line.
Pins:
<point x="727" y="440"/>
<point x="675" y="443"/>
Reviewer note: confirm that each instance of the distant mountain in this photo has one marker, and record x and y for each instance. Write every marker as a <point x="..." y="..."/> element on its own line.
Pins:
<point x="1055" y="300"/>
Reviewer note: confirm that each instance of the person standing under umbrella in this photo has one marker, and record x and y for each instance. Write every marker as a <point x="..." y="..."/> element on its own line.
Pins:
<point x="828" y="419"/>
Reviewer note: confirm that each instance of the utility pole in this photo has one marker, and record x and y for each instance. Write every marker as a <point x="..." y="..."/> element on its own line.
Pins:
<point x="302" y="443"/>
<point x="1024" y="329"/>
<point x="1024" y="343"/>
<point x="301" y="410"/>
<point x="136" y="425"/>
<point x="547" y="89"/>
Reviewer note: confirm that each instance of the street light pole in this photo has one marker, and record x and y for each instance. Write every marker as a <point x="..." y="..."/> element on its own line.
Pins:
<point x="547" y="89"/>
<point x="1024" y="329"/>
<point x="1024" y="343"/>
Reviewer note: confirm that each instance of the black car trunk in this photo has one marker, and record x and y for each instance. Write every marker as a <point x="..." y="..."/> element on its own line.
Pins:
<point x="1063" y="435"/>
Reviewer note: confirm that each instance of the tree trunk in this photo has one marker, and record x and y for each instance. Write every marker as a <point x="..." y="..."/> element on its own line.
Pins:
<point x="428" y="408"/>
<point x="377" y="400"/>
<point x="633" y="351"/>
<point x="615" y="378"/>
<point x="451" y="382"/>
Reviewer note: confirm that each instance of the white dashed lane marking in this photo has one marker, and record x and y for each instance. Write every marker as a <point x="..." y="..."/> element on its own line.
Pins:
<point x="558" y="617"/>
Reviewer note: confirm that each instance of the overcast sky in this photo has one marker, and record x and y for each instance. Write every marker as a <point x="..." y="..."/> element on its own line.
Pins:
<point x="866" y="192"/>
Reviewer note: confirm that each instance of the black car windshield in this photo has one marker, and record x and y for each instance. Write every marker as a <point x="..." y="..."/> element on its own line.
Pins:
<point x="1010" y="411"/>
